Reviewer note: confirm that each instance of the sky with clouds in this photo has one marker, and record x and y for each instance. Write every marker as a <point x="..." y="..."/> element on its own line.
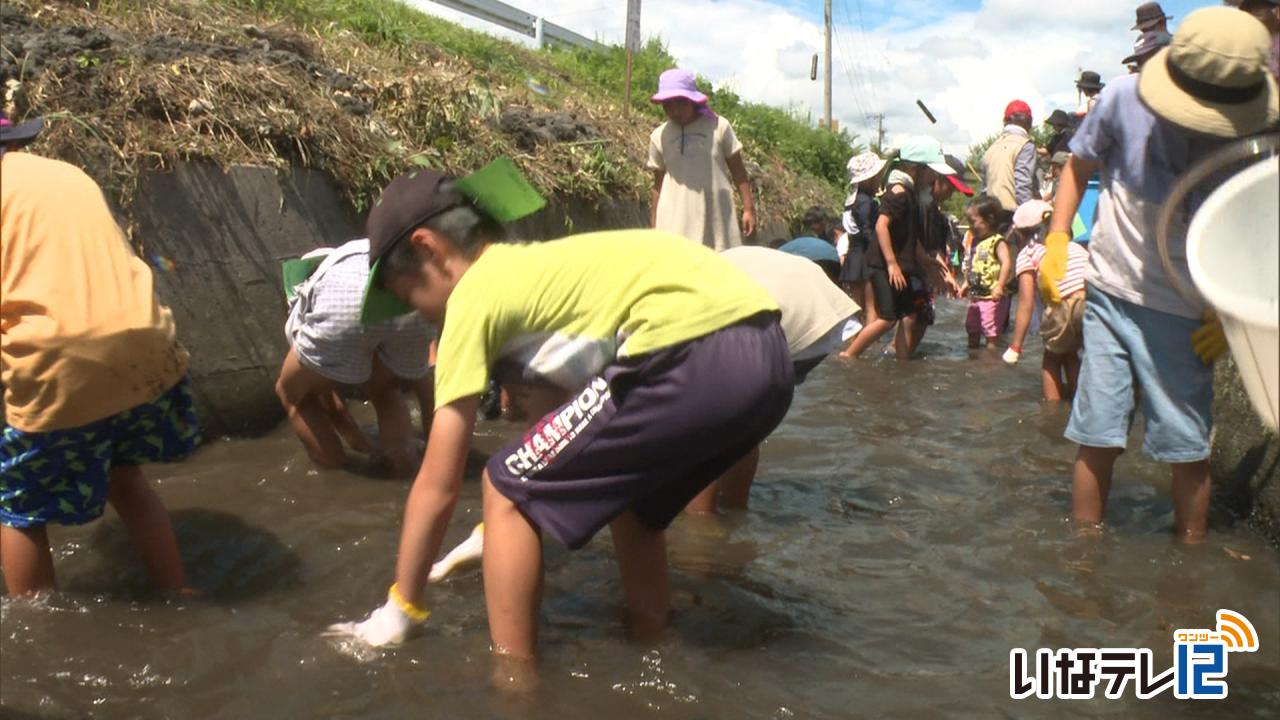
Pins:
<point x="964" y="58"/>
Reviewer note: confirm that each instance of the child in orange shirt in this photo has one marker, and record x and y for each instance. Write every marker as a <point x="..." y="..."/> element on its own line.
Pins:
<point x="95" y="381"/>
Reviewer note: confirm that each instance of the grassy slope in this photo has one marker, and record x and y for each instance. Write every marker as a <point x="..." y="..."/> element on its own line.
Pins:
<point x="433" y="92"/>
<point x="766" y="130"/>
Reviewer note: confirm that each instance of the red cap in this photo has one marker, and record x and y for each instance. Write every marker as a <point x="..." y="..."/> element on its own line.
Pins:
<point x="958" y="184"/>
<point x="1017" y="106"/>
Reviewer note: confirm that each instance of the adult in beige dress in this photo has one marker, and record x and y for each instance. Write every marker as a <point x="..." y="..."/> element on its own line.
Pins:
<point x="696" y="162"/>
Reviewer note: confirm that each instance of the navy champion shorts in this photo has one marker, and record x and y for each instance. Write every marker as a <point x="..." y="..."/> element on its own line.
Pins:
<point x="649" y="433"/>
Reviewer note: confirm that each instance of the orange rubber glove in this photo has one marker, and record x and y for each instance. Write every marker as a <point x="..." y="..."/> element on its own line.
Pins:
<point x="1209" y="341"/>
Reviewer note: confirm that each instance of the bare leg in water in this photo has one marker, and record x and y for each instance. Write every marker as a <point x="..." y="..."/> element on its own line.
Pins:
<point x="150" y="529"/>
<point x="730" y="490"/>
<point x="872" y="330"/>
<point x="26" y="560"/>
<point x="1091" y="483"/>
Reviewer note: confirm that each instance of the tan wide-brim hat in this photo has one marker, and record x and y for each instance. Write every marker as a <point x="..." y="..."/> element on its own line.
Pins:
<point x="1213" y="77"/>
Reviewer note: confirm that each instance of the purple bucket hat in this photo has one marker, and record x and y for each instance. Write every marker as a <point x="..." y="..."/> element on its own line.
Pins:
<point x="678" y="83"/>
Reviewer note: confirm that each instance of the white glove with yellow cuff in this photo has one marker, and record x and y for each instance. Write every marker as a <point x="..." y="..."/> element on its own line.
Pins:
<point x="388" y="625"/>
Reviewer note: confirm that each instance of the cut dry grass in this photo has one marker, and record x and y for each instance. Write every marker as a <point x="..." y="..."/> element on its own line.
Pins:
<point x="223" y="82"/>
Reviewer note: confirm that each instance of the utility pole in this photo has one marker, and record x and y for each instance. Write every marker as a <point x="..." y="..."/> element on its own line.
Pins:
<point x="879" y="118"/>
<point x="632" y="42"/>
<point x="826" y="65"/>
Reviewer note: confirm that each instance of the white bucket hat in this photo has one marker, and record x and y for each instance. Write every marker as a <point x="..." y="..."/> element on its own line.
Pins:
<point x="1213" y="77"/>
<point x="864" y="166"/>
<point x="1031" y="213"/>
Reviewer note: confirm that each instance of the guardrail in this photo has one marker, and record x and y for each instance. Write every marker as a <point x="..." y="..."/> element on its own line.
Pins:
<point x="517" y="20"/>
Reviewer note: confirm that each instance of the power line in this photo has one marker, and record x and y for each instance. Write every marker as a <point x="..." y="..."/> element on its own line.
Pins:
<point x="867" y="84"/>
<point x="862" y="31"/>
<point x="853" y="90"/>
<point x="869" y="89"/>
<point x="847" y="52"/>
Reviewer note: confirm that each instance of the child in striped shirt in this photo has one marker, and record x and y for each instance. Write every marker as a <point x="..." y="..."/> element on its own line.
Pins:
<point x="1061" y="325"/>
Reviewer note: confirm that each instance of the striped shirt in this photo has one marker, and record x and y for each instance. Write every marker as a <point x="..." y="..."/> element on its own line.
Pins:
<point x="1077" y="265"/>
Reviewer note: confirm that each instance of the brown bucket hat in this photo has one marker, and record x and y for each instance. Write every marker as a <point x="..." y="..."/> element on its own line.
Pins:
<point x="1213" y="77"/>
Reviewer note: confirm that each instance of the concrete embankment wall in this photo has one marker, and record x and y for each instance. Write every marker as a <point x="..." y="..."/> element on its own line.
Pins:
<point x="226" y="233"/>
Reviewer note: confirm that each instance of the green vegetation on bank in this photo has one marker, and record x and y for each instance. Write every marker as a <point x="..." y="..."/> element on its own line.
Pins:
<point x="393" y="25"/>
<point x="764" y="130"/>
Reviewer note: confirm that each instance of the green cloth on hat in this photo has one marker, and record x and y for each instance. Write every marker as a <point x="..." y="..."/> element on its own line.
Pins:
<point x="501" y="191"/>
<point x="379" y="304"/>
<point x="498" y="189"/>
<point x="296" y="271"/>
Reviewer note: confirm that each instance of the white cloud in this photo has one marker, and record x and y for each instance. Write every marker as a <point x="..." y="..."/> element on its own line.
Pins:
<point x="966" y="66"/>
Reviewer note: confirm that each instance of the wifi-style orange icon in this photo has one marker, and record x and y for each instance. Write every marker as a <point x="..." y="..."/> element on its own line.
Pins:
<point x="1237" y="632"/>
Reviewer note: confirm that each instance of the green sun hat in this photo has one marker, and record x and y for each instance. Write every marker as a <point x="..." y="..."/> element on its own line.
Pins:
<point x="498" y="189"/>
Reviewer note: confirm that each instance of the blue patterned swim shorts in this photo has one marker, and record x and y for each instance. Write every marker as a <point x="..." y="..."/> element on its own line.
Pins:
<point x="62" y="476"/>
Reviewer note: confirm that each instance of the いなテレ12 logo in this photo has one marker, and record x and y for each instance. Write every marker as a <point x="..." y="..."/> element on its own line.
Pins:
<point x="1199" y="672"/>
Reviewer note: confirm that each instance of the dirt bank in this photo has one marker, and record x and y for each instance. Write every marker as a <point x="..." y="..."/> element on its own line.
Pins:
<point x="1246" y="455"/>
<point x="129" y="88"/>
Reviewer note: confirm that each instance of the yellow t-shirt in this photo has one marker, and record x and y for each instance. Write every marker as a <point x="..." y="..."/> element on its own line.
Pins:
<point x="984" y="267"/>
<point x="558" y="312"/>
<point x="82" y="336"/>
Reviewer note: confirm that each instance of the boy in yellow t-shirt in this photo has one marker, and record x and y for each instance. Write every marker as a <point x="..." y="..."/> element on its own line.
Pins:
<point x="94" y="378"/>
<point x="678" y="368"/>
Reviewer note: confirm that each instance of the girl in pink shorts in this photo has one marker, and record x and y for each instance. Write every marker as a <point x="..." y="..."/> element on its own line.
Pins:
<point x="988" y="267"/>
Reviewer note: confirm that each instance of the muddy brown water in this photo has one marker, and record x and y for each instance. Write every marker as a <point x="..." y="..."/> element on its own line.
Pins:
<point x="909" y="527"/>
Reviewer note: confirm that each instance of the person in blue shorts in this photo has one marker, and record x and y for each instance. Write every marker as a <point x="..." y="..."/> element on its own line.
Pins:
<point x="95" y="381"/>
<point x="1141" y="336"/>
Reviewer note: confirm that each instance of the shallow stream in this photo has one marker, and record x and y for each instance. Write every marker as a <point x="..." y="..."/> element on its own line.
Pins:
<point x="908" y="528"/>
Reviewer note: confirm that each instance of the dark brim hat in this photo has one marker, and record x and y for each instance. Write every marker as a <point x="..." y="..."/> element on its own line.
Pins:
<point x="1147" y="45"/>
<point x="1090" y="80"/>
<point x="497" y="190"/>
<point x="962" y="172"/>
<point x="409" y="201"/>
<point x="1058" y="119"/>
<point x="1134" y="58"/>
<point x="20" y="134"/>
<point x="1148" y="16"/>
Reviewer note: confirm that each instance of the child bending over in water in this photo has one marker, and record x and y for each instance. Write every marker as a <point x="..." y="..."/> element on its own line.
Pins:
<point x="988" y="268"/>
<point x="1061" y="327"/>
<point x="814" y="316"/>
<point x="95" y="381"/>
<point x="815" y="312"/>
<point x="680" y="367"/>
<point x="331" y="345"/>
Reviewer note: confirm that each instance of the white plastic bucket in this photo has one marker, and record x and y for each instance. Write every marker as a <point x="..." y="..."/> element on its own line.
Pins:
<point x="1233" y="252"/>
